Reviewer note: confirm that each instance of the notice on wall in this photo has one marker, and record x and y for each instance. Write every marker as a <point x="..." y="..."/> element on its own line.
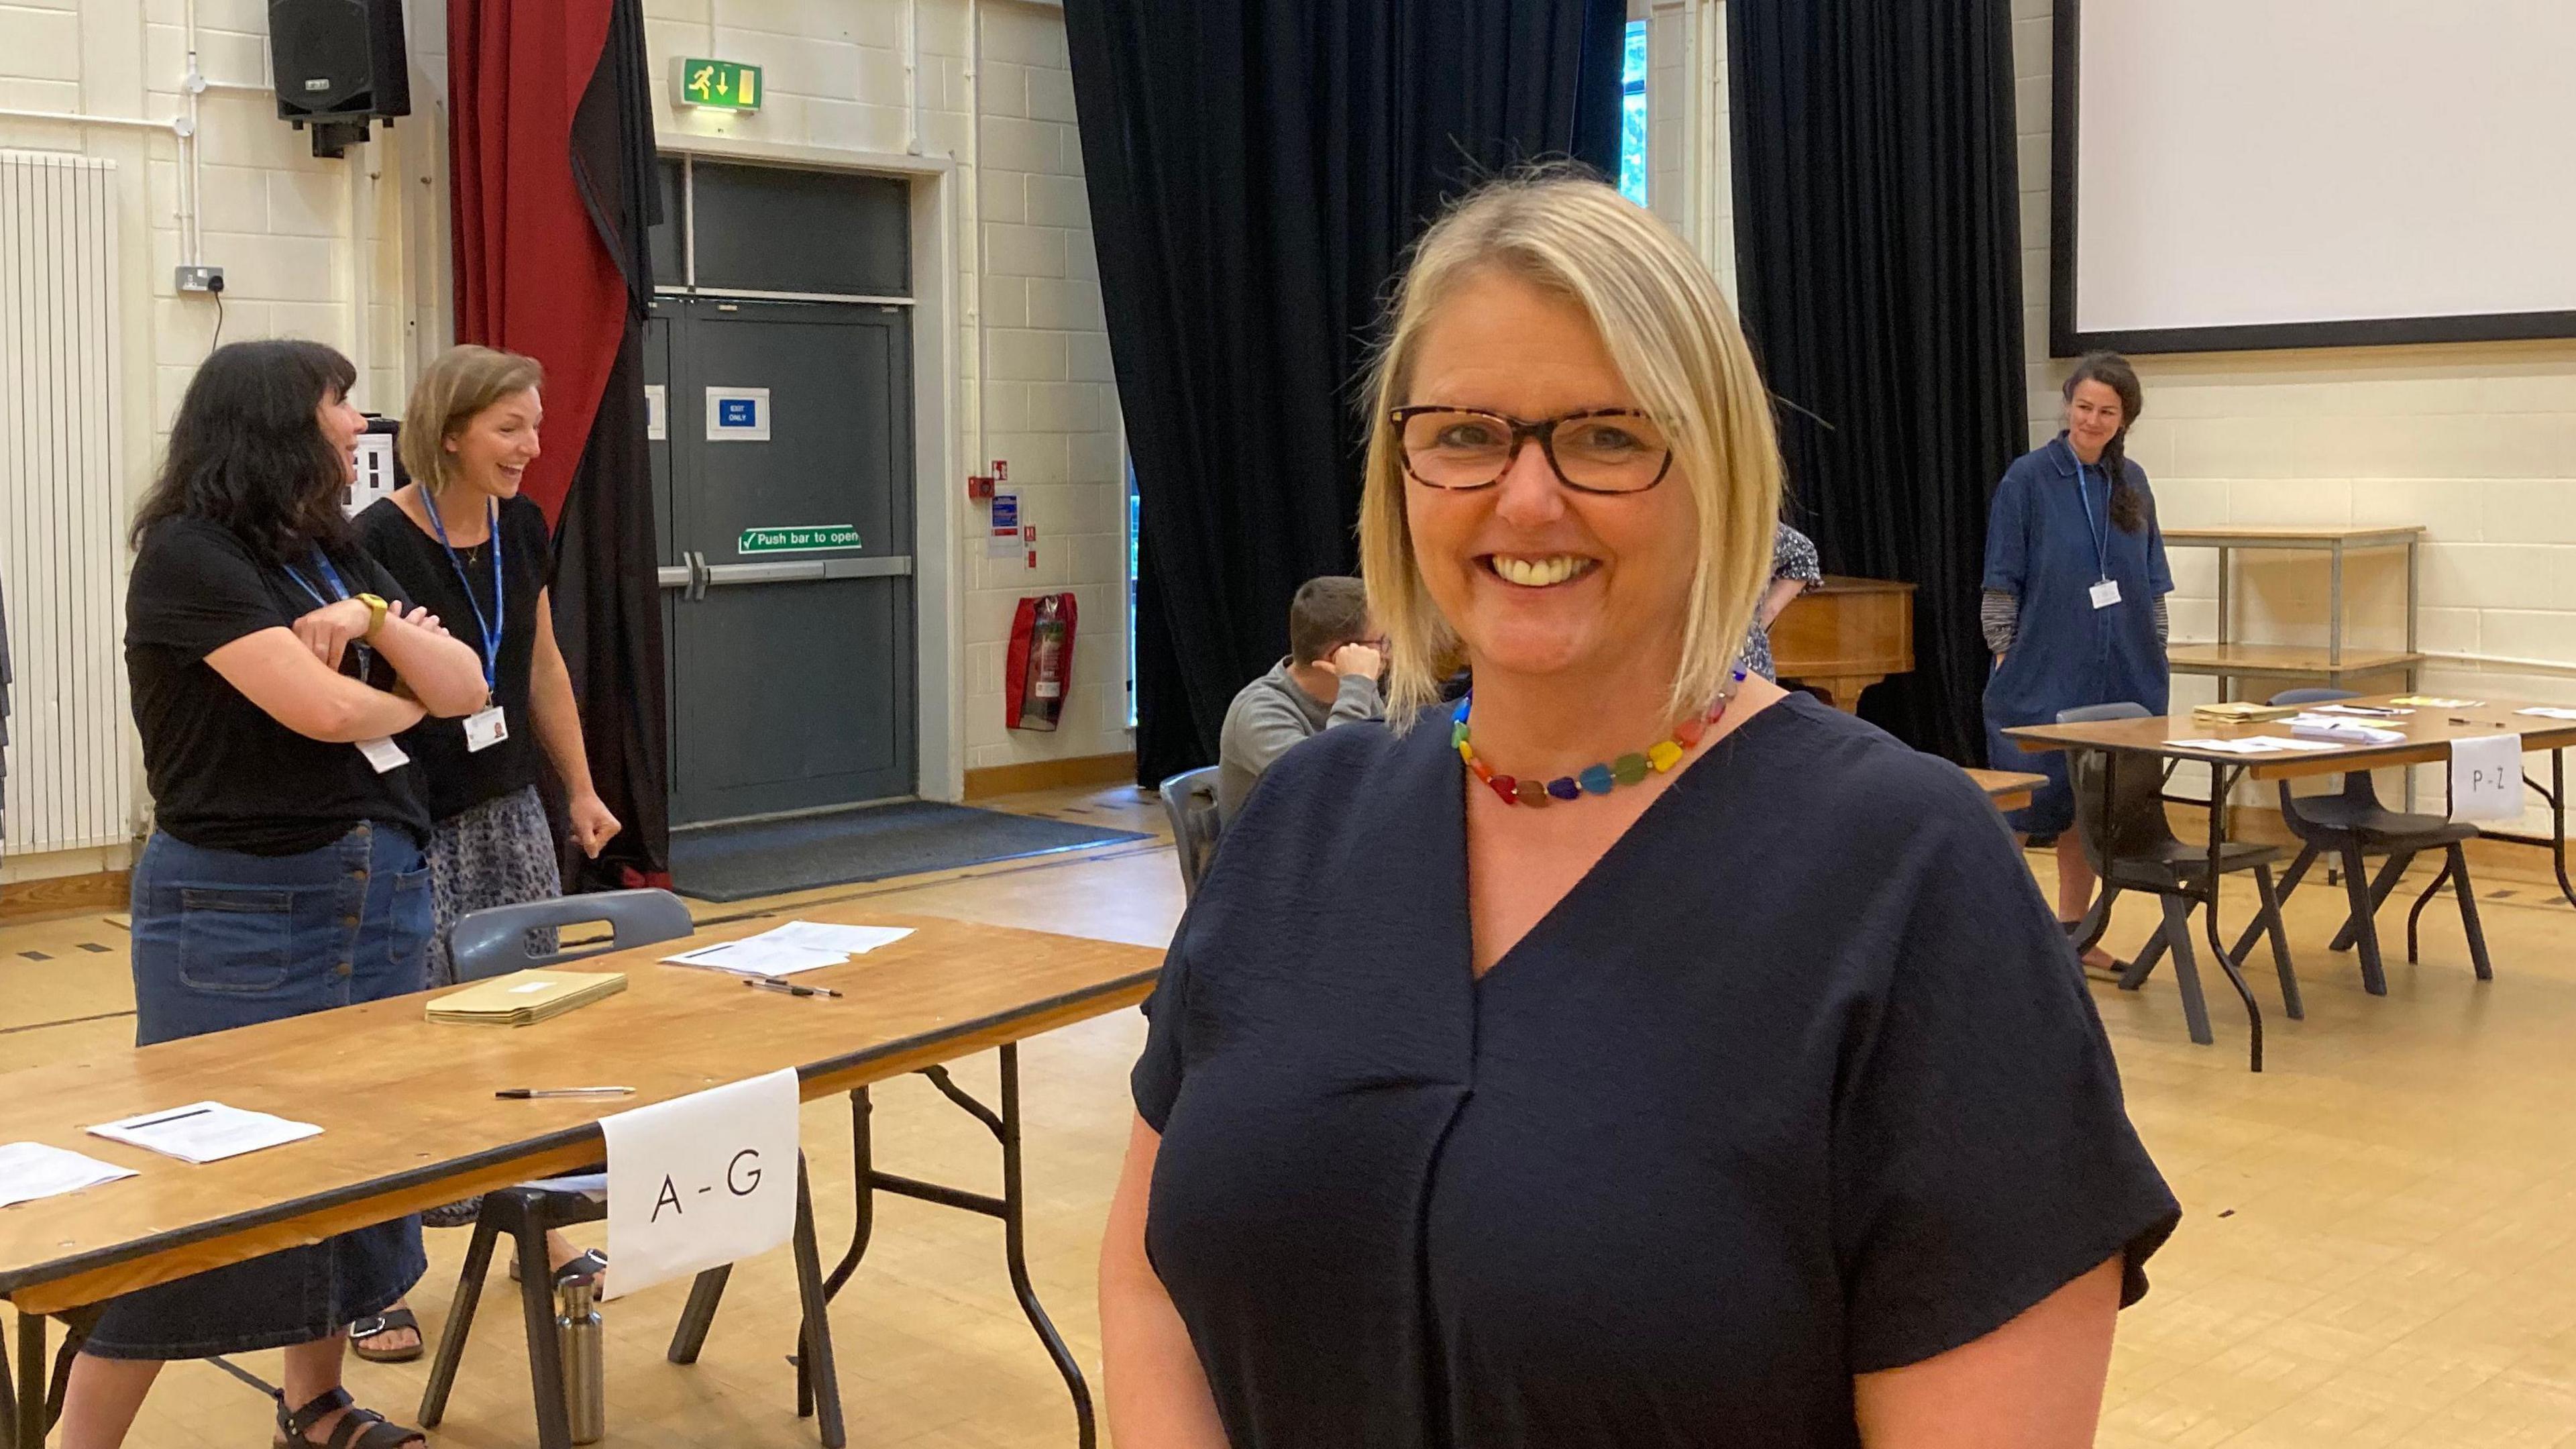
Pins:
<point x="657" y="412"/>
<point x="737" y="415"/>
<point x="701" y="1181"/>
<point x="2486" y="778"/>
<point x="1003" y="541"/>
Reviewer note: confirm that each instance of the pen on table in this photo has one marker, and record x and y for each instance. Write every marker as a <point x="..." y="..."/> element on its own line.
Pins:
<point x="173" y="1117"/>
<point x="524" y="1094"/>
<point x="772" y="983"/>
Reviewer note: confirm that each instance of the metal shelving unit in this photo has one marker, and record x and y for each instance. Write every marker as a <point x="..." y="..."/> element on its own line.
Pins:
<point x="2230" y="659"/>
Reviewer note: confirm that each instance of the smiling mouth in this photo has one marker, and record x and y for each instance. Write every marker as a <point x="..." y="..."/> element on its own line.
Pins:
<point x="1539" y="573"/>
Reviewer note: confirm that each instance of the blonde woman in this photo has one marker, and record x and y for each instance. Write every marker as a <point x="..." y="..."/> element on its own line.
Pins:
<point x="461" y="539"/>
<point x="1657" y="1058"/>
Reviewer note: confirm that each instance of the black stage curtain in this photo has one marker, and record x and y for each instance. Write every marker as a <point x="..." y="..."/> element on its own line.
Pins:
<point x="1878" y="254"/>
<point x="607" y="603"/>
<point x="1256" y="170"/>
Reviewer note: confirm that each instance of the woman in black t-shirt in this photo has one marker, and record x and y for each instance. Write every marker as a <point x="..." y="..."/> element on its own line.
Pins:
<point x="271" y="666"/>
<point x="1630" y="1054"/>
<point x="460" y="538"/>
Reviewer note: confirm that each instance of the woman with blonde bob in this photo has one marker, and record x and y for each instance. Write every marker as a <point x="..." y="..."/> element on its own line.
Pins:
<point x="461" y="535"/>
<point x="1631" y="1053"/>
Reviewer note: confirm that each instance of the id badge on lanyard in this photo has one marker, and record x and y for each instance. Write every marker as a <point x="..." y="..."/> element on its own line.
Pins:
<point x="383" y="755"/>
<point x="489" y="725"/>
<point x="2106" y="589"/>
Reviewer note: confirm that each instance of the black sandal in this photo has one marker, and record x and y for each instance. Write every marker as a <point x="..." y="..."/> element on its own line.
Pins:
<point x="357" y="1429"/>
<point x="391" y="1321"/>
<point x="589" y="1264"/>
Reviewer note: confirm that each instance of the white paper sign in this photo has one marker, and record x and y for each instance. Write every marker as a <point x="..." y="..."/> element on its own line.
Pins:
<point x="737" y="415"/>
<point x="2486" y="778"/>
<point x="1002" y="539"/>
<point x="657" y="415"/>
<point x="700" y="1181"/>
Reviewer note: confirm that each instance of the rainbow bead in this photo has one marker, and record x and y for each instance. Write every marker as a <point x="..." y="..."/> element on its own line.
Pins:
<point x="1601" y="779"/>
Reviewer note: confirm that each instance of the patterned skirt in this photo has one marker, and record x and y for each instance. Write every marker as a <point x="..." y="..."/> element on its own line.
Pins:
<point x="499" y="853"/>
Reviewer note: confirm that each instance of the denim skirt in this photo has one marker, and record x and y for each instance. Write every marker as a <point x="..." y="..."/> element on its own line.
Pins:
<point x="223" y="939"/>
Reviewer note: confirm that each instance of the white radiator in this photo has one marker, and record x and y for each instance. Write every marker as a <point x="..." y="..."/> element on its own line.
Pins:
<point x="63" y="508"/>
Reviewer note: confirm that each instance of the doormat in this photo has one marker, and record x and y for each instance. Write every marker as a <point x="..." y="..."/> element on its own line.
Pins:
<point x="767" y="857"/>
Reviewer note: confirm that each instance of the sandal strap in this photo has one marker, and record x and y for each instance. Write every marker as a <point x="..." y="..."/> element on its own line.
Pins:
<point x="383" y="1323"/>
<point x="367" y="1429"/>
<point x="311" y="1414"/>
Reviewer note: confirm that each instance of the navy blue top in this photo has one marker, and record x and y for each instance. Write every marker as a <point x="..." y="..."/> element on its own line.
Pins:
<point x="2049" y="539"/>
<point x="1800" y="1081"/>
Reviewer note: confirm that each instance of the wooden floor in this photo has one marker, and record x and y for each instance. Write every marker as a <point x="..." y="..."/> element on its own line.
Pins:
<point x="2379" y="1247"/>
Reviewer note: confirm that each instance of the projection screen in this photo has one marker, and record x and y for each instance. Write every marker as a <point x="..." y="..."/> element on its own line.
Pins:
<point x="2307" y="173"/>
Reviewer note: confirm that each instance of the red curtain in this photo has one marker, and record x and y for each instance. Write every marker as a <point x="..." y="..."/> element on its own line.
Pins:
<point x="532" y="273"/>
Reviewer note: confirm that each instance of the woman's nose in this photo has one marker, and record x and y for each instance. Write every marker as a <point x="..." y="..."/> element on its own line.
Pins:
<point x="1528" y="492"/>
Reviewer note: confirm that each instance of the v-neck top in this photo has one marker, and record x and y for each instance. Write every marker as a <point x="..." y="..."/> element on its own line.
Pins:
<point x="1800" y="1081"/>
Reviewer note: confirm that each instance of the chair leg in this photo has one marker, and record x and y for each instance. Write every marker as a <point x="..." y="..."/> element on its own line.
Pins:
<point x="2391" y="871"/>
<point x="818" y="1376"/>
<point x="2148" y="956"/>
<point x="2469" y="913"/>
<point x="689" y="1335"/>
<point x="460" y="1322"/>
<point x="2177" y="934"/>
<point x="545" y="1351"/>
<point x="2363" y="929"/>
<point x="2270" y="921"/>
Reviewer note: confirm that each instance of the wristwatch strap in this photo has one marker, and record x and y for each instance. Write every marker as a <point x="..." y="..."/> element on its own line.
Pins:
<point x="375" y="613"/>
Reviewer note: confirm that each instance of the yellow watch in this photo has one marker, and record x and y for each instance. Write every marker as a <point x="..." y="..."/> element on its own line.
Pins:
<point x="375" y="613"/>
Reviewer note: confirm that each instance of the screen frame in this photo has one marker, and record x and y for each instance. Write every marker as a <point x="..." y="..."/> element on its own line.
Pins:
<point x="2066" y="340"/>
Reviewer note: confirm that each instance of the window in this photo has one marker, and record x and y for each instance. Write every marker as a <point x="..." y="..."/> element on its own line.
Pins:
<point x="1632" y="116"/>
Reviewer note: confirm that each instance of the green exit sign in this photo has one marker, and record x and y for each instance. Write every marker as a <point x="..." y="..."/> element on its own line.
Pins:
<point x="722" y="85"/>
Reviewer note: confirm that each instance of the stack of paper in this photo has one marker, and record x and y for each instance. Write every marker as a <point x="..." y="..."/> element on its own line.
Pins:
<point x="524" y="998"/>
<point x="2366" y="711"/>
<point x="30" y="1170"/>
<point x="204" y="1131"/>
<point x="2241" y="712"/>
<point x="2547" y="711"/>
<point x="2253" y="745"/>
<point x="2343" y="731"/>
<point x="788" y="949"/>
<point x="2435" y="701"/>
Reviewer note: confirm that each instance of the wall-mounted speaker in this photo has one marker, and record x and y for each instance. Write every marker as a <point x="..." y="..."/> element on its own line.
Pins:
<point x="340" y="66"/>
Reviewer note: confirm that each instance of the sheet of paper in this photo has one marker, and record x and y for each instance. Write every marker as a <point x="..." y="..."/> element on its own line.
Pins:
<point x="700" y="1181"/>
<point x="822" y="936"/>
<point x="2547" y="711"/>
<point x="2347" y="731"/>
<point x="2435" y="701"/>
<point x="2486" y="778"/>
<point x="204" y="1131"/>
<point x="2366" y="711"/>
<point x="753" y="956"/>
<point x="30" y="1170"/>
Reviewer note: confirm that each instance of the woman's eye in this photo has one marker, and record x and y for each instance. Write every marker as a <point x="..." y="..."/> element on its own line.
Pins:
<point x="1466" y="435"/>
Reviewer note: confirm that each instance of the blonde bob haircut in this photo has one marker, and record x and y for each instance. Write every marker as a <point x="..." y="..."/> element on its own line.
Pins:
<point x="458" y="386"/>
<point x="1677" y="347"/>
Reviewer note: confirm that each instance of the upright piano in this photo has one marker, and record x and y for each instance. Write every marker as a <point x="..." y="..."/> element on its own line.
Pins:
<point x="1843" y="635"/>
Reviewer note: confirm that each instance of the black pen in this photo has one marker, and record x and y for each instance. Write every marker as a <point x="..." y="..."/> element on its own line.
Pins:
<point x="526" y="1094"/>
<point x="772" y="983"/>
<point x="173" y="1117"/>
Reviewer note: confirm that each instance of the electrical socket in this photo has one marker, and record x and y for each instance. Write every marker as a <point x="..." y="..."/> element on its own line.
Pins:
<point x="201" y="279"/>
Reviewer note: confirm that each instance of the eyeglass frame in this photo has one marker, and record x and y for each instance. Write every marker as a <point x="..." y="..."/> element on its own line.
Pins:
<point x="1541" y="429"/>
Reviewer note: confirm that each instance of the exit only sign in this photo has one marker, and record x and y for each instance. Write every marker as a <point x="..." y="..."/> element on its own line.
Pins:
<point x="721" y="85"/>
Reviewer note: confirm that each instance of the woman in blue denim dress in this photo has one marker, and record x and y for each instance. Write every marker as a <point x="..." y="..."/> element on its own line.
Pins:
<point x="270" y="667"/>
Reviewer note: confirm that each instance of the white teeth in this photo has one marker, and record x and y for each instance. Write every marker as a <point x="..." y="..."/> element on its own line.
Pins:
<point x="1537" y="573"/>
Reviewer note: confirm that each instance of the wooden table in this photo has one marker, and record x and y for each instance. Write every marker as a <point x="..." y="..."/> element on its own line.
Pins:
<point x="409" y="1120"/>
<point x="2427" y="737"/>
<point x="1841" y="635"/>
<point x="2009" y="789"/>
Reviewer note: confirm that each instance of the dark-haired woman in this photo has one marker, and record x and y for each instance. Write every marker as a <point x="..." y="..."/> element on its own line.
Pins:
<point x="2074" y="598"/>
<point x="271" y="665"/>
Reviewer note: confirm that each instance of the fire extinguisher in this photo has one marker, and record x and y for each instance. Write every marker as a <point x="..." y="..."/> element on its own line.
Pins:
<point x="1040" y="662"/>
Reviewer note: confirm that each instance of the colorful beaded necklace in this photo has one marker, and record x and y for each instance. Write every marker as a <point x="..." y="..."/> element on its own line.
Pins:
<point x="1597" y="779"/>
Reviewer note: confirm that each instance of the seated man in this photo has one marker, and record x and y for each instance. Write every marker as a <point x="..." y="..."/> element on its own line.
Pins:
<point x="1329" y="678"/>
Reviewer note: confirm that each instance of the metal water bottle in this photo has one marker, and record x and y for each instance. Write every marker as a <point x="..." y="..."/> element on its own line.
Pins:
<point x="577" y="1330"/>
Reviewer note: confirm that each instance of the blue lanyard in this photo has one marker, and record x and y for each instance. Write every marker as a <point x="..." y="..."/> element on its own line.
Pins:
<point x="2092" y="530"/>
<point x="339" y="591"/>
<point x="493" y="626"/>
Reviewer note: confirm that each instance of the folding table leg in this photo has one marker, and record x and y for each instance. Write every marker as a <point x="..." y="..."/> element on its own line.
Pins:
<point x="1015" y="1249"/>
<point x="30" y="1407"/>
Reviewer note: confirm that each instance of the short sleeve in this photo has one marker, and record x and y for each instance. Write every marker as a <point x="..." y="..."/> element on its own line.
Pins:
<point x="1156" y="1081"/>
<point x="1793" y="556"/>
<point x="2008" y="535"/>
<point x="1983" y="1157"/>
<point x="196" y="589"/>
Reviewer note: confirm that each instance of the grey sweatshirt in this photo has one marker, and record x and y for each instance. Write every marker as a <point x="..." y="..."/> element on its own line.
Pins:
<point x="1272" y="714"/>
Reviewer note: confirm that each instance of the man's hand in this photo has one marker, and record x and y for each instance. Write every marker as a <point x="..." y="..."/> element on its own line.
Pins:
<point x="1359" y="659"/>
